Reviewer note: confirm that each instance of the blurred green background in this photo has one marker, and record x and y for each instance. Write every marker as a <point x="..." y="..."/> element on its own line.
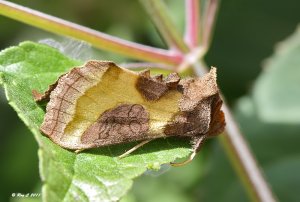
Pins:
<point x="246" y="33"/>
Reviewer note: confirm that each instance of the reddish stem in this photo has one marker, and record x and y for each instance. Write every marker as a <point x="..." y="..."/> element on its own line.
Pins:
<point x="144" y="65"/>
<point x="192" y="29"/>
<point x="245" y="163"/>
<point x="209" y="21"/>
<point x="96" y="38"/>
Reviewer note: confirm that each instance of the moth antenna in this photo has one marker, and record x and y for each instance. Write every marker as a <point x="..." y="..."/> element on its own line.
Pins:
<point x="197" y="142"/>
<point x="133" y="149"/>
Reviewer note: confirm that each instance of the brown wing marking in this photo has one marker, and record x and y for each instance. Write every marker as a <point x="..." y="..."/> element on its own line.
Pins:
<point x="124" y="123"/>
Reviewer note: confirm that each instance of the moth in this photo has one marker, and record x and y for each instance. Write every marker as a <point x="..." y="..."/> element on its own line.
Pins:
<point x="101" y="104"/>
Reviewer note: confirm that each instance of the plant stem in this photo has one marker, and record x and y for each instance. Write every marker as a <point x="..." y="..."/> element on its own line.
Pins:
<point x="209" y="22"/>
<point x="144" y="65"/>
<point x="191" y="58"/>
<point x="159" y="15"/>
<point x="193" y="24"/>
<point x="97" y="39"/>
<point x="244" y="162"/>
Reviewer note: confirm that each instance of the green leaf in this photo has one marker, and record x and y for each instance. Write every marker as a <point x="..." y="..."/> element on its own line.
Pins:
<point x="174" y="185"/>
<point x="276" y="92"/>
<point x="95" y="174"/>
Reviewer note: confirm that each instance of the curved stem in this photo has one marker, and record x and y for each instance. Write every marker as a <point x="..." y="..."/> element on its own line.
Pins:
<point x="244" y="162"/>
<point x="159" y="15"/>
<point x="192" y="58"/>
<point x="144" y="65"/>
<point x="97" y="39"/>
<point x="209" y="22"/>
<point x="193" y="24"/>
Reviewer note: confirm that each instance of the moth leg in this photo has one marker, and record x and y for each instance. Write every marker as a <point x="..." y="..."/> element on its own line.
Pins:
<point x="78" y="150"/>
<point x="133" y="149"/>
<point x="188" y="160"/>
<point x="197" y="142"/>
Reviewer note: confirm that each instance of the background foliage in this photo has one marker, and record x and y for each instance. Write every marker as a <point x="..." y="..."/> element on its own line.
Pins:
<point x="246" y="33"/>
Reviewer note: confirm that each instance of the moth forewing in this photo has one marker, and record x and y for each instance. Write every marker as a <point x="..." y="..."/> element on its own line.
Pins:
<point x="101" y="104"/>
